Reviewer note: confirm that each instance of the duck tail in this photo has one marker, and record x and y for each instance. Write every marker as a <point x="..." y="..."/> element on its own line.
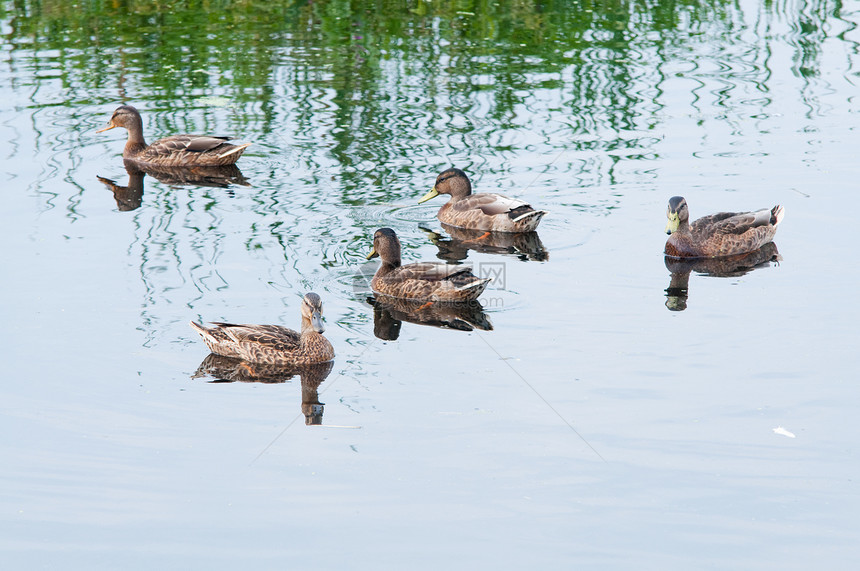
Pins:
<point x="777" y="214"/>
<point x="236" y="149"/>
<point x="535" y="214"/>
<point x="199" y="328"/>
<point x="478" y="285"/>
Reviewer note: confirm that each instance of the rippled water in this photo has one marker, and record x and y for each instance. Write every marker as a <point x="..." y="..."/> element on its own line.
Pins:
<point x="583" y="424"/>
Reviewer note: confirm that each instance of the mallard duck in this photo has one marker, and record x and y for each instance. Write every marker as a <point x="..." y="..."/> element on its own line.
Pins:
<point x="483" y="211"/>
<point x="429" y="281"/>
<point x="722" y="234"/>
<point x="272" y="344"/>
<point x="176" y="150"/>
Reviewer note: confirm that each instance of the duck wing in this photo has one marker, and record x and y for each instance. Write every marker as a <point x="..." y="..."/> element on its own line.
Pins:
<point x="489" y="203"/>
<point x="190" y="143"/>
<point x="431" y="271"/>
<point x="274" y="336"/>
<point x="736" y="222"/>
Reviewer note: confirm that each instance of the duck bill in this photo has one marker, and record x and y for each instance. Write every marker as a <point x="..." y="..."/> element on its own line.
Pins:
<point x="373" y="253"/>
<point x="432" y="194"/>
<point x="108" y="128"/>
<point x="673" y="224"/>
<point x="316" y="322"/>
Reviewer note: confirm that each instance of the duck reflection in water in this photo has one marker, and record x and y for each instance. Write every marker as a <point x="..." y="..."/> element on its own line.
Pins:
<point x="130" y="197"/>
<point x="389" y="313"/>
<point x="523" y="245"/>
<point x="230" y="370"/>
<point x="726" y="267"/>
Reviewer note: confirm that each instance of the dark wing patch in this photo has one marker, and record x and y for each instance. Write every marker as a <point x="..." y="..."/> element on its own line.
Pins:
<point x="189" y="143"/>
<point x="199" y="144"/>
<point x="515" y="213"/>
<point x="428" y="271"/>
<point x="737" y="224"/>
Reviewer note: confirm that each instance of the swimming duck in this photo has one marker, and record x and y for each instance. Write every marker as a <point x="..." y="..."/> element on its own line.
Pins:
<point x="272" y="344"/>
<point x="176" y="150"/>
<point x="722" y="234"/>
<point x="428" y="281"/>
<point x="482" y="211"/>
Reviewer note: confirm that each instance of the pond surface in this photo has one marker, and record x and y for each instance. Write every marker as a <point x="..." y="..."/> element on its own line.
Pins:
<point x="588" y="419"/>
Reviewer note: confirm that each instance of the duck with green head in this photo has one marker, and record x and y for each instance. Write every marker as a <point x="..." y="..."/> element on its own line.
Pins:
<point x="722" y="234"/>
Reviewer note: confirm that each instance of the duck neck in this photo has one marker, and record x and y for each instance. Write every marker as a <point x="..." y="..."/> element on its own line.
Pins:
<point x="135" y="143"/>
<point x="308" y="330"/>
<point x="388" y="266"/>
<point x="311" y="342"/>
<point x="460" y="188"/>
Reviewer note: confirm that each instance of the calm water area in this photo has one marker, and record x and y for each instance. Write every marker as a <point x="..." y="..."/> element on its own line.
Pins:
<point x="604" y="409"/>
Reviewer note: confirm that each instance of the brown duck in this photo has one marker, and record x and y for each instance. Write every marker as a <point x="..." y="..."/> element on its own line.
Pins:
<point x="173" y="151"/>
<point x="722" y="234"/>
<point x="272" y="344"/>
<point x="428" y="281"/>
<point x="483" y="211"/>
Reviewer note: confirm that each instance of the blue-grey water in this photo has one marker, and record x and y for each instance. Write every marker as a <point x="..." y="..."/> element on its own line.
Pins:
<point x="589" y="427"/>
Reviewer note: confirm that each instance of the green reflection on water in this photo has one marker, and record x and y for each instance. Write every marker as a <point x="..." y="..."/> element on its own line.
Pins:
<point x="182" y="50"/>
<point x="376" y="79"/>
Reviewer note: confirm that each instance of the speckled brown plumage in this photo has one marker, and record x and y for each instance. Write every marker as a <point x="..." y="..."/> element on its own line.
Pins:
<point x="173" y="151"/>
<point x="272" y="344"/>
<point x="430" y="281"/>
<point x="717" y="235"/>
<point x="483" y="211"/>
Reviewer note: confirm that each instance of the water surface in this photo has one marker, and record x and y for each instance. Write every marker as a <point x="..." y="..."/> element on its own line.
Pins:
<point x="589" y="426"/>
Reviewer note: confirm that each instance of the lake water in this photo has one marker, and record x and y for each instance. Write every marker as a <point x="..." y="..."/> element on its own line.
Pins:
<point x="594" y="421"/>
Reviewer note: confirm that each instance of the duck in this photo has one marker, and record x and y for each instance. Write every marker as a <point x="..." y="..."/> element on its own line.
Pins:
<point x="272" y="344"/>
<point x="173" y="151"/>
<point x="482" y="211"/>
<point x="717" y="235"/>
<point x="425" y="281"/>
